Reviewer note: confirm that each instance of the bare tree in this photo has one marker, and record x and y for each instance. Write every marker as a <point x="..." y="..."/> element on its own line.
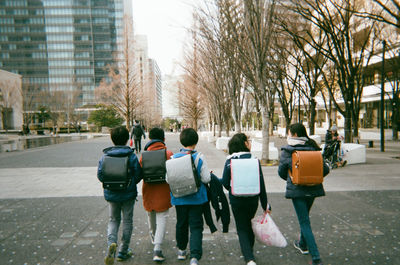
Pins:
<point x="190" y="101"/>
<point x="348" y="46"/>
<point x="285" y="75"/>
<point x="250" y="25"/>
<point x="384" y="11"/>
<point x="30" y="101"/>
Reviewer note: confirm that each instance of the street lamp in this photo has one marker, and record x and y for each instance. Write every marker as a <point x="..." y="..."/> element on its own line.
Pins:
<point x="382" y="97"/>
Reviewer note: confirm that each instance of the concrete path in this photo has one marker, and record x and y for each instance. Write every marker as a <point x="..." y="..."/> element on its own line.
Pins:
<point x="53" y="212"/>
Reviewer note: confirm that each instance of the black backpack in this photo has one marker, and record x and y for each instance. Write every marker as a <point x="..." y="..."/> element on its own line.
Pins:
<point x="116" y="173"/>
<point x="137" y="131"/>
<point x="153" y="166"/>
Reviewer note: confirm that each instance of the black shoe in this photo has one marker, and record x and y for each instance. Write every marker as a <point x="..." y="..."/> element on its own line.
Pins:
<point x="303" y="251"/>
<point x="317" y="262"/>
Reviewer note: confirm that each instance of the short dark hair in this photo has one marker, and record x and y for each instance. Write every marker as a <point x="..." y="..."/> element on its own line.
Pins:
<point x="188" y="137"/>
<point x="238" y="143"/>
<point x="119" y="135"/>
<point x="157" y="134"/>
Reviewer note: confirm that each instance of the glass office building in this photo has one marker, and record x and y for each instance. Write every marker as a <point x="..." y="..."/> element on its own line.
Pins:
<point x="61" y="44"/>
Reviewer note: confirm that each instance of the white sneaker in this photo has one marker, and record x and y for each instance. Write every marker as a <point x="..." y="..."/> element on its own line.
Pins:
<point x="194" y="261"/>
<point x="251" y="262"/>
<point x="181" y="254"/>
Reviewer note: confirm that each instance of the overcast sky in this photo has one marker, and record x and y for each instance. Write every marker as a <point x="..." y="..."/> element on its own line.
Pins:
<point x="164" y="22"/>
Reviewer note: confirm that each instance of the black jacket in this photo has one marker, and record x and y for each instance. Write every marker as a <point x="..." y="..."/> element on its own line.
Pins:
<point x="285" y="164"/>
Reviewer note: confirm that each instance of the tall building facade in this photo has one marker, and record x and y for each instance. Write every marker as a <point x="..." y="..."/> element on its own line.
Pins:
<point x="154" y="92"/>
<point x="61" y="45"/>
<point x="148" y="79"/>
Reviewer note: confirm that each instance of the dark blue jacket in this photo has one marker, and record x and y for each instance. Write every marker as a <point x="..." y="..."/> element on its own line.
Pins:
<point x="285" y="164"/>
<point x="226" y="182"/>
<point x="219" y="202"/>
<point x="131" y="191"/>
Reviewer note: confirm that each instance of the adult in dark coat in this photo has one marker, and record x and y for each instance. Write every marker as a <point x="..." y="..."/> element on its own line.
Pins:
<point x="302" y="196"/>
<point x="137" y="132"/>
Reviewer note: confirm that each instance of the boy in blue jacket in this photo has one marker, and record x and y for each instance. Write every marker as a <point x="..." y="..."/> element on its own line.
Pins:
<point x="121" y="201"/>
<point x="189" y="209"/>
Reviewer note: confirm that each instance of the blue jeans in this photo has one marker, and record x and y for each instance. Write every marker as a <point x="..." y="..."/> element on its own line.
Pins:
<point x="115" y="210"/>
<point x="302" y="207"/>
<point x="190" y="216"/>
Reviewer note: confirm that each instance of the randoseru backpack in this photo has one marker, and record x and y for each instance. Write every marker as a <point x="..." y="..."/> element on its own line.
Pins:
<point x="307" y="168"/>
<point x="182" y="175"/>
<point x="245" y="177"/>
<point x="153" y="166"/>
<point x="116" y="173"/>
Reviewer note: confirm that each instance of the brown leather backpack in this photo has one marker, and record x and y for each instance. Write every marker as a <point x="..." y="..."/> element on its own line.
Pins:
<point x="307" y="168"/>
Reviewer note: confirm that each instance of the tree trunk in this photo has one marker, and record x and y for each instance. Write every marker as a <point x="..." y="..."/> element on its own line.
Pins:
<point x="265" y="134"/>
<point x="238" y="128"/>
<point x="355" y="126"/>
<point x="395" y="120"/>
<point x="347" y="126"/>
<point x="313" y="115"/>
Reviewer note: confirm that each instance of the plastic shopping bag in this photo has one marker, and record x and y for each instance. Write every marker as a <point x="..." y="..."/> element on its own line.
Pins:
<point x="266" y="231"/>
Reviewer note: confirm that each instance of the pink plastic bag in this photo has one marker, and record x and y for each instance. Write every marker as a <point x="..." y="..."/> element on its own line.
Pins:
<point x="266" y="231"/>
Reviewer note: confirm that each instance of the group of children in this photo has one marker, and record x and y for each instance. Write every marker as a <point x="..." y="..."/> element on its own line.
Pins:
<point x="157" y="199"/>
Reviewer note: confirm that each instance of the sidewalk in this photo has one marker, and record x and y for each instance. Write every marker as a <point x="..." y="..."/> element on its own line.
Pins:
<point x="356" y="223"/>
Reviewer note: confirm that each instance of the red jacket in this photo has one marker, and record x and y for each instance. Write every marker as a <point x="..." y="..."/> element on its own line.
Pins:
<point x="156" y="197"/>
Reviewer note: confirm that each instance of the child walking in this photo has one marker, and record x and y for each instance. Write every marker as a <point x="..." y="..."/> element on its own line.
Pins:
<point x="302" y="196"/>
<point x="156" y="198"/>
<point x="121" y="201"/>
<point x="189" y="208"/>
<point x="243" y="208"/>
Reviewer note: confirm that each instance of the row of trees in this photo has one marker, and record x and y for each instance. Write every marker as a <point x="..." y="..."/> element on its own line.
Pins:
<point x="258" y="53"/>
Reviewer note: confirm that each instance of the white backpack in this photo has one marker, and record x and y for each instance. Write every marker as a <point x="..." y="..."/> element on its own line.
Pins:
<point x="245" y="177"/>
<point x="182" y="175"/>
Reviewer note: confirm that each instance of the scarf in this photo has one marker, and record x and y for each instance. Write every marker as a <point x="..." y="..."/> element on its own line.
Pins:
<point x="296" y="140"/>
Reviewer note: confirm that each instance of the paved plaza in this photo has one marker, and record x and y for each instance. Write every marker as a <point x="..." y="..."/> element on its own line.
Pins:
<point x="53" y="212"/>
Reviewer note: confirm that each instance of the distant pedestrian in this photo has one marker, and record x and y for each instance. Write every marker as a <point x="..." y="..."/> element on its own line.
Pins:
<point x="137" y="132"/>
<point x="244" y="208"/>
<point x="189" y="208"/>
<point x="156" y="197"/>
<point x="302" y="196"/>
<point x="120" y="201"/>
<point x="333" y="144"/>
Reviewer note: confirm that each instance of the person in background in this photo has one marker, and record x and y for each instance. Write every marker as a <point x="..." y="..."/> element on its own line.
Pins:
<point x="137" y="132"/>
<point x="332" y="137"/>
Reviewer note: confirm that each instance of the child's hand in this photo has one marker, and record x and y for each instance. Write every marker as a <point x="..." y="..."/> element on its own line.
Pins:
<point x="269" y="209"/>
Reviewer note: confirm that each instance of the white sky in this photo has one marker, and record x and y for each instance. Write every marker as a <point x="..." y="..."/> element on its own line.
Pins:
<point x="164" y="22"/>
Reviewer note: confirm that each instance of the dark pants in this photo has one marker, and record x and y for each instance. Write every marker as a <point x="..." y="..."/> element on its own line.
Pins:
<point x="138" y="145"/>
<point x="302" y="207"/>
<point x="243" y="213"/>
<point x="190" y="216"/>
